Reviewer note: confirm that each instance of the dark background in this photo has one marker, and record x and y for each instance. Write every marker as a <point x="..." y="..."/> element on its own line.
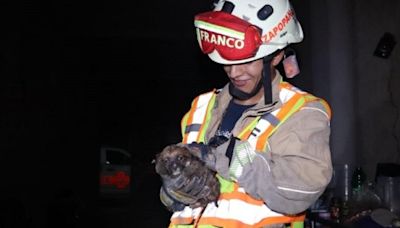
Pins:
<point x="79" y="75"/>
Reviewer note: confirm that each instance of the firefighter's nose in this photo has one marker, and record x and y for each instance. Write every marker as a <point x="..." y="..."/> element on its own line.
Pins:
<point x="234" y="71"/>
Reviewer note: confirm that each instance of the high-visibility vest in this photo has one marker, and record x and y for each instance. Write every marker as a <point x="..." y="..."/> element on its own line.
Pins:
<point x="235" y="208"/>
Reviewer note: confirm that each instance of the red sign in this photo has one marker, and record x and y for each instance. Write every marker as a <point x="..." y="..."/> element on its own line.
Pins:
<point x="120" y="180"/>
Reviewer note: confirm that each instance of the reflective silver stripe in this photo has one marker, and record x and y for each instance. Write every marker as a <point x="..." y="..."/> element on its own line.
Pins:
<point x="232" y="209"/>
<point x="198" y="116"/>
<point x="271" y="119"/>
<point x="317" y="109"/>
<point x="296" y="190"/>
<point x="318" y="105"/>
<point x="192" y="127"/>
<point x="261" y="127"/>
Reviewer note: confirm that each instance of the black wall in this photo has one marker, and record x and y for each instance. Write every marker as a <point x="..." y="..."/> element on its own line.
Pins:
<point x="76" y="75"/>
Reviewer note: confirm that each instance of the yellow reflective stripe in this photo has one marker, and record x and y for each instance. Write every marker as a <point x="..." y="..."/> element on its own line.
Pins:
<point x="196" y="117"/>
<point x="287" y="108"/>
<point x="219" y="29"/>
<point x="226" y="186"/>
<point x="262" y="125"/>
<point x="189" y="119"/>
<point x="201" y="108"/>
<point x="299" y="103"/>
<point x="247" y="131"/>
<point x="327" y="107"/>
<point x="299" y="224"/>
<point x="234" y="212"/>
<point x="184" y="124"/>
<point x="206" y="121"/>
<point x="228" y="223"/>
<point x="324" y="104"/>
<point x="238" y="210"/>
<point x="186" y="216"/>
<point x="310" y="97"/>
<point x="235" y="207"/>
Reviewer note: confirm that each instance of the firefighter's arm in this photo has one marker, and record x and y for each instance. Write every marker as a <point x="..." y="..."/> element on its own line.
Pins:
<point x="296" y="167"/>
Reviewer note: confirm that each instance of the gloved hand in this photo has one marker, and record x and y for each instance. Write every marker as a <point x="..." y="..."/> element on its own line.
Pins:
<point x="176" y="193"/>
<point x="186" y="180"/>
<point x="226" y="156"/>
<point x="206" y="152"/>
<point x="194" y="191"/>
<point x="243" y="154"/>
<point x="169" y="202"/>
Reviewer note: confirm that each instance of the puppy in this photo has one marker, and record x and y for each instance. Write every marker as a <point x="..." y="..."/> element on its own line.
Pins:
<point x="185" y="174"/>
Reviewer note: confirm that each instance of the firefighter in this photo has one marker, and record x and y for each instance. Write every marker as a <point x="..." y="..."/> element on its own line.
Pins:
<point x="267" y="140"/>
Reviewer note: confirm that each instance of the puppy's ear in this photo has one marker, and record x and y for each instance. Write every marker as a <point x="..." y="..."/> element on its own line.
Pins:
<point x="156" y="157"/>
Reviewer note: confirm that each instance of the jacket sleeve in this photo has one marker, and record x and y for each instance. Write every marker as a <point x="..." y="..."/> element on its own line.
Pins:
<point x="296" y="168"/>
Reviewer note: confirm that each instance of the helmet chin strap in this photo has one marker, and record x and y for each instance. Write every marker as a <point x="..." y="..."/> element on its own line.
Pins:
<point x="267" y="82"/>
<point x="240" y="95"/>
<point x="264" y="82"/>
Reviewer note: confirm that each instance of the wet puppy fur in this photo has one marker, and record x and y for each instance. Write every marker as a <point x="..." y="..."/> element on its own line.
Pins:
<point x="176" y="161"/>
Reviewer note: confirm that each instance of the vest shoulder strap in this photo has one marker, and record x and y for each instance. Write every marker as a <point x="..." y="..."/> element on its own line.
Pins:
<point x="195" y="122"/>
<point x="293" y="99"/>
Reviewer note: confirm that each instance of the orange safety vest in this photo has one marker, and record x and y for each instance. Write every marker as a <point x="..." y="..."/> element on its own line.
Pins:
<point x="235" y="208"/>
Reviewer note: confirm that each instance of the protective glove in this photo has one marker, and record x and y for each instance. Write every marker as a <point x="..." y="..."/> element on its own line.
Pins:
<point x="186" y="179"/>
<point x="194" y="191"/>
<point x="204" y="152"/>
<point x="243" y="154"/>
<point x="169" y="202"/>
<point x="176" y="193"/>
<point x="207" y="152"/>
<point x="226" y="156"/>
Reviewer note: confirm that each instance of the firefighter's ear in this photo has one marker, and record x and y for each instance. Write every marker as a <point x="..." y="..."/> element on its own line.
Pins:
<point x="277" y="59"/>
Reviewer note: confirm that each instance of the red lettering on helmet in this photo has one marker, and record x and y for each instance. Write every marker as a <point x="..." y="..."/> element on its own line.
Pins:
<point x="279" y="27"/>
<point x="271" y="35"/>
<point x="275" y="30"/>
<point x="286" y="20"/>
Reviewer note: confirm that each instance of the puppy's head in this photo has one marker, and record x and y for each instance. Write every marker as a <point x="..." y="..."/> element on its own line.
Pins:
<point x="172" y="160"/>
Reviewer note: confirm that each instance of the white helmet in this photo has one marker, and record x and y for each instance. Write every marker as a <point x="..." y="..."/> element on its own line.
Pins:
<point x="239" y="31"/>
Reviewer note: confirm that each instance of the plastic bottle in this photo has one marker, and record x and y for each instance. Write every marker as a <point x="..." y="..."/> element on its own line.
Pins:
<point x="357" y="182"/>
